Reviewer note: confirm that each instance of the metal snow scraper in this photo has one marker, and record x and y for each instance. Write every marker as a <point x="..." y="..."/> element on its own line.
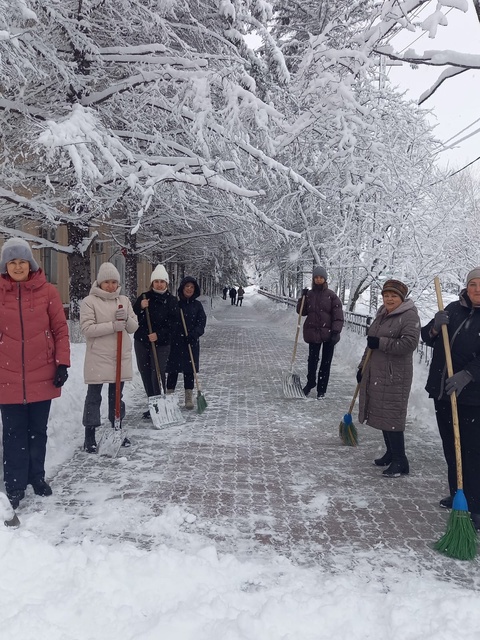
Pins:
<point x="291" y="380"/>
<point x="10" y="518"/>
<point x="164" y="409"/>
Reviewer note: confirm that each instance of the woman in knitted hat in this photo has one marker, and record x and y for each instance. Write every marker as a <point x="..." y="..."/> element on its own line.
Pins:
<point x="103" y="313"/>
<point x="462" y="319"/>
<point x="321" y="329"/>
<point x="386" y="381"/>
<point x="164" y="318"/>
<point x="34" y="356"/>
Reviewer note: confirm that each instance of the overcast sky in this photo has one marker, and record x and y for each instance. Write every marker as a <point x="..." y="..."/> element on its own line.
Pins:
<point x="456" y="104"/>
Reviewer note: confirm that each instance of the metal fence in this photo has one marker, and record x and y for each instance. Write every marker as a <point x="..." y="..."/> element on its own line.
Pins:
<point x="356" y="322"/>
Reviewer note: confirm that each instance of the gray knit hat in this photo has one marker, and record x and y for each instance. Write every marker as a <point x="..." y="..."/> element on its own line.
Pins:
<point x="474" y="273"/>
<point x="17" y="249"/>
<point x="320" y="271"/>
<point x="107" y="271"/>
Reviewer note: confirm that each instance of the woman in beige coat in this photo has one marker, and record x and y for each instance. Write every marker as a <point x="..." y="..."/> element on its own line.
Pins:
<point x="385" y="383"/>
<point x="103" y="313"/>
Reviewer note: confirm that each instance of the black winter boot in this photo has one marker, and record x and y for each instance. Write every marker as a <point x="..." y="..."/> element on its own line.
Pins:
<point x="15" y="497"/>
<point x="399" y="465"/>
<point x="41" y="488"/>
<point x="386" y="459"/>
<point x="90" y="445"/>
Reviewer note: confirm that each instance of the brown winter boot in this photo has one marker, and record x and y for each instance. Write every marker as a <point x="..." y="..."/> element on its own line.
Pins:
<point x="188" y="398"/>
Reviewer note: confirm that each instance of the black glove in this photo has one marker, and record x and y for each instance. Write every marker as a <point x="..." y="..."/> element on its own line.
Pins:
<point x="457" y="382"/>
<point x="440" y="318"/>
<point x="190" y="339"/>
<point x="61" y="376"/>
<point x="373" y="342"/>
<point x="359" y="376"/>
<point x="334" y="337"/>
<point x="304" y="291"/>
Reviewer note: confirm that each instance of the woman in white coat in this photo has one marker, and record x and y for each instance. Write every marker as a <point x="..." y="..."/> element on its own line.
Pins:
<point x="103" y="313"/>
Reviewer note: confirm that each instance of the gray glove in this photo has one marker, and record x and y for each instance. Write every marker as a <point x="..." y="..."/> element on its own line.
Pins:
<point x="121" y="314"/>
<point x="119" y="325"/>
<point x="440" y="318"/>
<point x="457" y="382"/>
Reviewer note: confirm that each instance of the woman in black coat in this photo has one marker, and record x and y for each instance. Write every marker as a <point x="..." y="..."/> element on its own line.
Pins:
<point x="463" y="323"/>
<point x="163" y="311"/>
<point x="179" y="359"/>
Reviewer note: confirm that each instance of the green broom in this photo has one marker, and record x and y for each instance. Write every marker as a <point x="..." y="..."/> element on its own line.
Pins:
<point x="201" y="402"/>
<point x="347" y="430"/>
<point x="460" y="539"/>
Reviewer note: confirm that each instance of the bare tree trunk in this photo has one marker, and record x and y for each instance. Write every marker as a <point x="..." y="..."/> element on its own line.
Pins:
<point x="130" y="254"/>
<point x="79" y="272"/>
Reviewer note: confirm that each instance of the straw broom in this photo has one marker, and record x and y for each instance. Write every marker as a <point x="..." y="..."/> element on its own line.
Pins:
<point x="460" y="539"/>
<point x="347" y="430"/>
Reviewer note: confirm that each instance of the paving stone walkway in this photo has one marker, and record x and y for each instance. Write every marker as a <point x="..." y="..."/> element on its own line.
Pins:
<point x="258" y="474"/>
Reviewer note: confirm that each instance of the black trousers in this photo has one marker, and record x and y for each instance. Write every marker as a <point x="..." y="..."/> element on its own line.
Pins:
<point x="324" y="372"/>
<point x="146" y="366"/>
<point x="93" y="402"/>
<point x="239" y="302"/>
<point x="188" y="380"/>
<point x="24" y="443"/>
<point x="469" y="422"/>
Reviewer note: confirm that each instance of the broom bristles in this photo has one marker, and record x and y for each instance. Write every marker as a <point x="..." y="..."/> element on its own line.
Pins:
<point x="201" y="403"/>
<point x="348" y="431"/>
<point x="460" y="538"/>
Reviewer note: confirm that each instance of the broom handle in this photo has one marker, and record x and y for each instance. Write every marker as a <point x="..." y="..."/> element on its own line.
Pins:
<point x="357" y="388"/>
<point x="453" y="397"/>
<point x="299" y="322"/>
<point x="197" y="383"/>
<point x="154" y="351"/>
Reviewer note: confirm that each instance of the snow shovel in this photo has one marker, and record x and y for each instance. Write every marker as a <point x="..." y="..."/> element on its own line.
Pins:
<point x="291" y="380"/>
<point x="10" y="518"/>
<point x="201" y="402"/>
<point x="113" y="437"/>
<point x="164" y="409"/>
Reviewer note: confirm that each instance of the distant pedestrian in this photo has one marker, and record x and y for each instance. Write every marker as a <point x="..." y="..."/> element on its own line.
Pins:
<point x="179" y="358"/>
<point x="462" y="318"/>
<point x="240" y="294"/>
<point x="385" y="383"/>
<point x="224" y="292"/>
<point x="163" y="311"/>
<point x="34" y="357"/>
<point x="321" y="329"/>
<point x="103" y="313"/>
<point x="233" y="295"/>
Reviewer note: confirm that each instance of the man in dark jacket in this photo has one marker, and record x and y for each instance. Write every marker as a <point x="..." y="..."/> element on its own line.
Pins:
<point x="323" y="325"/>
<point x="463" y="323"/>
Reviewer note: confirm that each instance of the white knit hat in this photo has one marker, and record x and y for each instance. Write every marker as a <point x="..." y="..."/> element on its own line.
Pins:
<point x="17" y="249"/>
<point x="160" y="273"/>
<point x="474" y="273"/>
<point x="107" y="271"/>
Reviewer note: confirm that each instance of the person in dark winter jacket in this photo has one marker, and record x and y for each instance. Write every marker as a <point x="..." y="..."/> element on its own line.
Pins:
<point x="385" y="384"/>
<point x="224" y="293"/>
<point x="240" y="294"/>
<point x="163" y="311"/>
<point x="233" y="295"/>
<point x="195" y="320"/>
<point x="321" y="329"/>
<point x="462" y="319"/>
<point x="34" y="357"/>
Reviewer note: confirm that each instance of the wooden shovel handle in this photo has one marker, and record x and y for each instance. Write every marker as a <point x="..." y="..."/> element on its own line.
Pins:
<point x="357" y="388"/>
<point x="154" y="351"/>
<point x="453" y="397"/>
<point x="299" y="322"/>
<point x="197" y="383"/>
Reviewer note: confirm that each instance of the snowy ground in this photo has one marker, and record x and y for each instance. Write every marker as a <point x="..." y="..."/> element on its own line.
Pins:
<point x="250" y="522"/>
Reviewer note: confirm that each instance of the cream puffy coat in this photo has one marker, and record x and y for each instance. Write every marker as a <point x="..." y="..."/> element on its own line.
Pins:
<point x="97" y="316"/>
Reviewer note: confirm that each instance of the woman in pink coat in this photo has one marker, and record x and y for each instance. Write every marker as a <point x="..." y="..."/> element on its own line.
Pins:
<point x="34" y="356"/>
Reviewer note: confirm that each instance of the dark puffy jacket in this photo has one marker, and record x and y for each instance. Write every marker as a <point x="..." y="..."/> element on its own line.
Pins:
<point x="195" y="319"/>
<point x="464" y="335"/>
<point x="324" y="312"/>
<point x="163" y="309"/>
<point x="387" y="378"/>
